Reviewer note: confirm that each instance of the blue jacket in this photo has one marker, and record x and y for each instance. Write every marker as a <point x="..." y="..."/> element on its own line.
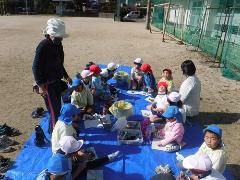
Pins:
<point x="149" y="80"/>
<point x="48" y="63"/>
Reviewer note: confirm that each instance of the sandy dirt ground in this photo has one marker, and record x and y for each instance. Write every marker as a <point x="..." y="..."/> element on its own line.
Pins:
<point x="103" y="41"/>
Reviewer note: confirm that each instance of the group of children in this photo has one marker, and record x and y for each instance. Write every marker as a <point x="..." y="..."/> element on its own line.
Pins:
<point x="167" y="111"/>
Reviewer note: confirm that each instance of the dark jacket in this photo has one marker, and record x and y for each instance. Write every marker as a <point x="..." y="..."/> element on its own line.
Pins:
<point x="48" y="63"/>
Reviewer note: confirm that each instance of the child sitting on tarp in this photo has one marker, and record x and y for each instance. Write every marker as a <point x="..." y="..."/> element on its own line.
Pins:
<point x="82" y="97"/>
<point x="63" y="127"/>
<point x="86" y="77"/>
<point x="108" y="72"/>
<point x="174" y="99"/>
<point x="87" y="67"/>
<point x="149" y="81"/>
<point x="99" y="91"/>
<point x="70" y="162"/>
<point x="58" y="167"/>
<point x="167" y="77"/>
<point x="173" y="131"/>
<point x="201" y="167"/>
<point x="137" y="75"/>
<point x="160" y="103"/>
<point x="214" y="148"/>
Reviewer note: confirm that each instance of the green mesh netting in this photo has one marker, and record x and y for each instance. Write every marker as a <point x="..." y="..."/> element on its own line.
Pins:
<point x="214" y="28"/>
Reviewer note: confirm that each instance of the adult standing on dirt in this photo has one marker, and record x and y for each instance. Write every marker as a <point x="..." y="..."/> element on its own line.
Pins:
<point x="190" y="89"/>
<point x="48" y="68"/>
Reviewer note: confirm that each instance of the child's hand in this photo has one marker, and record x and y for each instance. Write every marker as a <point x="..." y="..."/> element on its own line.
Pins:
<point x="93" y="91"/>
<point x="83" y="156"/>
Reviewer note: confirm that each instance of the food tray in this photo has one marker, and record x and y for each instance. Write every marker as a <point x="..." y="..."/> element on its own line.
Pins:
<point x="133" y="125"/>
<point x="125" y="133"/>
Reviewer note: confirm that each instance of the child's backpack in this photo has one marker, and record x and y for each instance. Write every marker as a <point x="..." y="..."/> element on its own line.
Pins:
<point x="40" y="136"/>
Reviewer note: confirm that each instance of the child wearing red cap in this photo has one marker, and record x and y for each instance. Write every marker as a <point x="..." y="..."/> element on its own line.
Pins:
<point x="99" y="91"/>
<point x="167" y="77"/>
<point x="149" y="81"/>
<point x="160" y="103"/>
<point x="96" y="80"/>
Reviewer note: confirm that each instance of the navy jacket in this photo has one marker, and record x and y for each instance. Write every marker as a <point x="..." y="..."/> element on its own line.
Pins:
<point x="48" y="63"/>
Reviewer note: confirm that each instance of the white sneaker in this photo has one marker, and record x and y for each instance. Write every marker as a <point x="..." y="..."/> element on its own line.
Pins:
<point x="113" y="155"/>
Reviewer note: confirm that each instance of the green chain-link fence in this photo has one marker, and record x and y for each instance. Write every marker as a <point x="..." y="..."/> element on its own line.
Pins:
<point x="213" y="27"/>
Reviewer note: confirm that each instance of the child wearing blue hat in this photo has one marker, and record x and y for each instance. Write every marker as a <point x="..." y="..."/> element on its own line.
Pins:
<point x="58" y="167"/>
<point x="173" y="131"/>
<point x="213" y="147"/>
<point x="62" y="164"/>
<point x="68" y="114"/>
<point x="81" y="97"/>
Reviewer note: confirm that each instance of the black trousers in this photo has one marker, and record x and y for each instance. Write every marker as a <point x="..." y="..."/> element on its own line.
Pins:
<point x="94" y="164"/>
<point x="53" y="101"/>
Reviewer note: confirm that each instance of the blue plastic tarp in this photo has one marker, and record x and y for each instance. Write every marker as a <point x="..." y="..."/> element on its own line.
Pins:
<point x="136" y="162"/>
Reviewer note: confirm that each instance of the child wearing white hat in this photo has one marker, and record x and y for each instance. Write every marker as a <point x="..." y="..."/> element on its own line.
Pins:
<point x="86" y="77"/>
<point x="200" y="165"/>
<point x="174" y="99"/>
<point x="78" y="159"/>
<point x="137" y="75"/>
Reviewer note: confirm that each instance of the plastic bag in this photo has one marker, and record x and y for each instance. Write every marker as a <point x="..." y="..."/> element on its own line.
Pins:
<point x="121" y="109"/>
<point x="120" y="124"/>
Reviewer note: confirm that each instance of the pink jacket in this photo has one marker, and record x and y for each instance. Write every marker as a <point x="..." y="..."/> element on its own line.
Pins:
<point x="173" y="131"/>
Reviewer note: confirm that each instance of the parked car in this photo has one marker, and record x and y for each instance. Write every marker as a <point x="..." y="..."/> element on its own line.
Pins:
<point x="134" y="14"/>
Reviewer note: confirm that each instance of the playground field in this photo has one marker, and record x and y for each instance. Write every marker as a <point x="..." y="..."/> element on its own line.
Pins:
<point x="103" y="41"/>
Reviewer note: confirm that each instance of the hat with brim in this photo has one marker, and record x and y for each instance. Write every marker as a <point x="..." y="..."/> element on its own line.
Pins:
<point x="174" y="97"/>
<point x="86" y="73"/>
<point x="95" y="69"/>
<point x="112" y="66"/>
<point x="138" y="61"/>
<point x="67" y="112"/>
<point x="69" y="144"/>
<point x="168" y="70"/>
<point x="215" y="129"/>
<point x="56" y="28"/>
<point x="173" y="112"/>
<point x="198" y="161"/>
<point x="76" y="82"/>
<point x="58" y="165"/>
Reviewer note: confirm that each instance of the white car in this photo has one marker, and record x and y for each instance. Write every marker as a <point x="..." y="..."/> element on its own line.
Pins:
<point x="133" y="14"/>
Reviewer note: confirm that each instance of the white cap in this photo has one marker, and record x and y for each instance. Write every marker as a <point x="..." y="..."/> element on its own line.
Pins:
<point x="198" y="161"/>
<point x="104" y="73"/>
<point x="55" y="27"/>
<point x="174" y="97"/>
<point x="138" y="60"/>
<point x="86" y="73"/>
<point x="69" y="144"/>
<point x="112" y="66"/>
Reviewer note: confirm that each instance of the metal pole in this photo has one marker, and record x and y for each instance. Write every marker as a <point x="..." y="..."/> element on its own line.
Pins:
<point x="224" y="39"/>
<point x="26" y="3"/>
<point x="201" y="33"/>
<point x="148" y="14"/>
<point x="222" y="30"/>
<point x="61" y="8"/>
<point x="165" y="22"/>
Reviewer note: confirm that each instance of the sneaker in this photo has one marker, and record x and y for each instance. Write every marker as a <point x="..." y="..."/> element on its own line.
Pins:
<point x="5" y="148"/>
<point x="38" y="113"/>
<point x="113" y="156"/>
<point x="9" y="131"/>
<point x="7" y="140"/>
<point x="5" y="163"/>
<point x="172" y="148"/>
